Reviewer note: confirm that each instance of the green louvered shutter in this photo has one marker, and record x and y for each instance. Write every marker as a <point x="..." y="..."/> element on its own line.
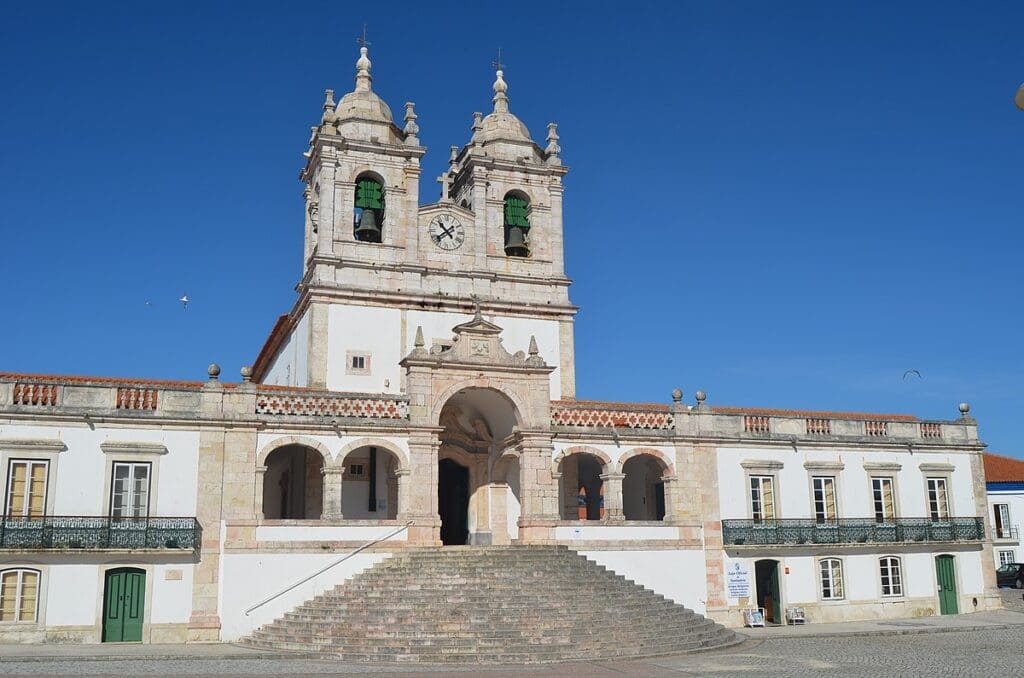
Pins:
<point x="369" y="195"/>
<point x="515" y="212"/>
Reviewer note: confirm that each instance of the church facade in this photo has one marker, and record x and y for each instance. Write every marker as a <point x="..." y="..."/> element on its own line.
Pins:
<point x="421" y="394"/>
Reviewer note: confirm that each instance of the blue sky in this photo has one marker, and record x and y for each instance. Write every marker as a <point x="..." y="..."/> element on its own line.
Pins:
<point x="831" y="192"/>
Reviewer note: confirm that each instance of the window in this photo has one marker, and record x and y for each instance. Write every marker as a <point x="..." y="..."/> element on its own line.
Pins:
<point x="355" y="470"/>
<point x="19" y="593"/>
<point x="129" y="491"/>
<point x="1001" y="518"/>
<point x="824" y="499"/>
<point x="892" y="576"/>
<point x="26" y="488"/>
<point x="369" y="218"/>
<point x="831" y="579"/>
<point x="938" y="501"/>
<point x="517" y="225"/>
<point x="885" y="506"/>
<point x="1005" y="557"/>
<point x="357" y="362"/>
<point x="762" y="498"/>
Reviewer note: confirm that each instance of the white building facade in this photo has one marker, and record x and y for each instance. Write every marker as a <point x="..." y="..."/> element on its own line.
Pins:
<point x="1004" y="478"/>
<point x="421" y="392"/>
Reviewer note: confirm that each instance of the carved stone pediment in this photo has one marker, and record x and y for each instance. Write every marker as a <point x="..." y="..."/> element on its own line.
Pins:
<point x="477" y="342"/>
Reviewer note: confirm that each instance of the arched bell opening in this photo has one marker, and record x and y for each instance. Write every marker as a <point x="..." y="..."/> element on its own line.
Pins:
<point x="293" y="484"/>
<point x="517" y="224"/>
<point x="643" y="488"/>
<point x="370" y="484"/>
<point x="368" y="225"/>
<point x="582" y="488"/>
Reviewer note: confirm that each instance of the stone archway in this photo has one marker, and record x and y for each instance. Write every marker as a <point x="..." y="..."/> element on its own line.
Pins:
<point x="292" y="483"/>
<point x="473" y="502"/>
<point x="582" y="472"/>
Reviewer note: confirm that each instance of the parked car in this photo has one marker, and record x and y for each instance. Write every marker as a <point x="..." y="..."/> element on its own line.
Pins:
<point x="1010" y="574"/>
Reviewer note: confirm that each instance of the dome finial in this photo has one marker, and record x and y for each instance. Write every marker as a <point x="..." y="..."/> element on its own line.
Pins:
<point x="363" y="78"/>
<point x="500" y="86"/>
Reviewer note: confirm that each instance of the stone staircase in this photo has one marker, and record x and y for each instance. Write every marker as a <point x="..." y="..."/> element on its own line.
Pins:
<point x="511" y="605"/>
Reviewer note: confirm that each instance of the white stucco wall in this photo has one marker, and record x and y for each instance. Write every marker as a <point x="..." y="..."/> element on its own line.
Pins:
<point x="387" y="334"/>
<point x="793" y="492"/>
<point x="248" y="578"/>
<point x="677" y="575"/>
<point x="73" y="595"/>
<point x="1015" y="500"/>
<point x="290" y="367"/>
<point x="79" y="476"/>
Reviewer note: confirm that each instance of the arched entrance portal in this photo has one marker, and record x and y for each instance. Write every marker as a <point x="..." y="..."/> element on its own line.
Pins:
<point x="477" y="499"/>
<point x="453" y="502"/>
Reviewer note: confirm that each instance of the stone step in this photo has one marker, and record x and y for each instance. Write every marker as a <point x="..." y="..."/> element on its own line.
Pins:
<point x="518" y="604"/>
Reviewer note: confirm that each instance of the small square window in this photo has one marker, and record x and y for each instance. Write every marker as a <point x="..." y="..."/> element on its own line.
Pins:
<point x="355" y="469"/>
<point x="357" y="362"/>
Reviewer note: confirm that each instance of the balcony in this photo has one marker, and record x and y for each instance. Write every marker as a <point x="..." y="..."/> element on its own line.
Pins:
<point x="1006" y="533"/>
<point x="100" y="533"/>
<point x="850" y="531"/>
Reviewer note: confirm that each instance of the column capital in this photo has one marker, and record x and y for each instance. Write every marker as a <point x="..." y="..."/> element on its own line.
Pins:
<point x="612" y="476"/>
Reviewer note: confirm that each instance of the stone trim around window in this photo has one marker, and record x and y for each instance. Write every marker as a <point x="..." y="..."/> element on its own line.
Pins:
<point x="825" y="467"/>
<point x="354" y="358"/>
<point x="882" y="466"/>
<point x="128" y="452"/>
<point x="31" y="449"/>
<point x="761" y="466"/>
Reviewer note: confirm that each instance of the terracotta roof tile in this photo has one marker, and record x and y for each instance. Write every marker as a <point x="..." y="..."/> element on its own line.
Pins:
<point x="1000" y="469"/>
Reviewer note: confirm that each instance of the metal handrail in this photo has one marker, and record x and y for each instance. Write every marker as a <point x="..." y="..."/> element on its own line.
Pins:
<point x="99" y="532"/>
<point x="801" y="531"/>
<point x="1009" y="532"/>
<point x="339" y="561"/>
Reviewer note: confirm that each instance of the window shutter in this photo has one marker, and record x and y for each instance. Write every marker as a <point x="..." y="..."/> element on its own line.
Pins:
<point x="369" y="195"/>
<point x="515" y="212"/>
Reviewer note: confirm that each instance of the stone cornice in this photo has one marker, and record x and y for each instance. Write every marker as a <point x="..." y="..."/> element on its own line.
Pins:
<point x="129" y="447"/>
<point x="33" y="444"/>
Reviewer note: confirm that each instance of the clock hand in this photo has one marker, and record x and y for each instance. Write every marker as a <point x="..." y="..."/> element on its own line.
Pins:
<point x="446" y="231"/>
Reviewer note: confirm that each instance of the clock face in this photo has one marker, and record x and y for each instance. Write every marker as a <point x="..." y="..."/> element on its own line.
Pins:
<point x="446" y="232"/>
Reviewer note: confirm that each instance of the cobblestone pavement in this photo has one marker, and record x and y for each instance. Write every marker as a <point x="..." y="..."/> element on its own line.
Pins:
<point x="967" y="653"/>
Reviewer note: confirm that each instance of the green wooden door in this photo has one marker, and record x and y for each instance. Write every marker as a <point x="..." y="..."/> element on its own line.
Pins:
<point x="945" y="575"/>
<point x="124" y="600"/>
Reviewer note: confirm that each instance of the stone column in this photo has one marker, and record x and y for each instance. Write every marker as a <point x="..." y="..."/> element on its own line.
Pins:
<point x="613" y="496"/>
<point x="990" y="599"/>
<point x="422" y="493"/>
<point x="402" y="510"/>
<point x="670" y="496"/>
<point x="539" y="493"/>
<point x="332" y="492"/>
<point x="318" y="338"/>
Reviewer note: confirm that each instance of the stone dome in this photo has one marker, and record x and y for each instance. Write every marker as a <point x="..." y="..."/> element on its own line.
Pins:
<point x="364" y="105"/>
<point x="502" y="125"/>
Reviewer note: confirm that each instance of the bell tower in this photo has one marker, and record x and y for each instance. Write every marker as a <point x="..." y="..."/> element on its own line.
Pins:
<point x="377" y="265"/>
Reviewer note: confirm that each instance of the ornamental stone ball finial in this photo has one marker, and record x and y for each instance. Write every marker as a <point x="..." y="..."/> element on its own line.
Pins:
<point x="553" y="149"/>
<point x="701" y="396"/>
<point x="500" y="98"/>
<point x="677" y="395"/>
<point x="363" y="77"/>
<point x="964" y="409"/>
<point x="411" y="128"/>
<point x="214" y="371"/>
<point x="246" y="373"/>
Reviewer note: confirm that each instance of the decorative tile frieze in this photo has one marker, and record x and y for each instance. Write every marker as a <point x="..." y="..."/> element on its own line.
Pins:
<point x="367" y="407"/>
<point x="595" y="416"/>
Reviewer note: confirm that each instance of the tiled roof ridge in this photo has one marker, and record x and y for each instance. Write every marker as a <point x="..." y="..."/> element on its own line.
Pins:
<point x="822" y="414"/>
<point x="83" y="379"/>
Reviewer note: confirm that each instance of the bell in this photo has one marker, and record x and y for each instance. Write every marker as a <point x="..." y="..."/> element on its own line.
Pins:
<point x="515" y="244"/>
<point x="368" y="230"/>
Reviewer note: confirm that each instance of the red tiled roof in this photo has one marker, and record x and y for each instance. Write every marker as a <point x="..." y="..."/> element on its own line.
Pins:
<point x="761" y="411"/>
<point x="1000" y="469"/>
<point x="813" y="414"/>
<point x="270" y="346"/>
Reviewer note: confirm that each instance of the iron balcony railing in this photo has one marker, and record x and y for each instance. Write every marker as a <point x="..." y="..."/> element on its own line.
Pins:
<point x="1007" y="533"/>
<point x="850" y="531"/>
<point x="95" y="533"/>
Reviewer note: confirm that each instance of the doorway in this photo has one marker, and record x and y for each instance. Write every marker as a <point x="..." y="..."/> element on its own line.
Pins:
<point x="124" y="600"/>
<point x="453" y="502"/>
<point x="766" y="576"/>
<point x="945" y="577"/>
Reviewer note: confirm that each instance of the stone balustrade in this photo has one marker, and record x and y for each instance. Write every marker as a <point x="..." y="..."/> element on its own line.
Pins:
<point x="101" y="397"/>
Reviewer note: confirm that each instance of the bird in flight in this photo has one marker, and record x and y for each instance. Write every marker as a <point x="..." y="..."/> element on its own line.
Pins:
<point x="910" y="372"/>
<point x="184" y="301"/>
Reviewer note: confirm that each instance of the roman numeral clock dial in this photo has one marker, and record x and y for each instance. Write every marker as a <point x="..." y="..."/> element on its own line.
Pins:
<point x="447" y="232"/>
